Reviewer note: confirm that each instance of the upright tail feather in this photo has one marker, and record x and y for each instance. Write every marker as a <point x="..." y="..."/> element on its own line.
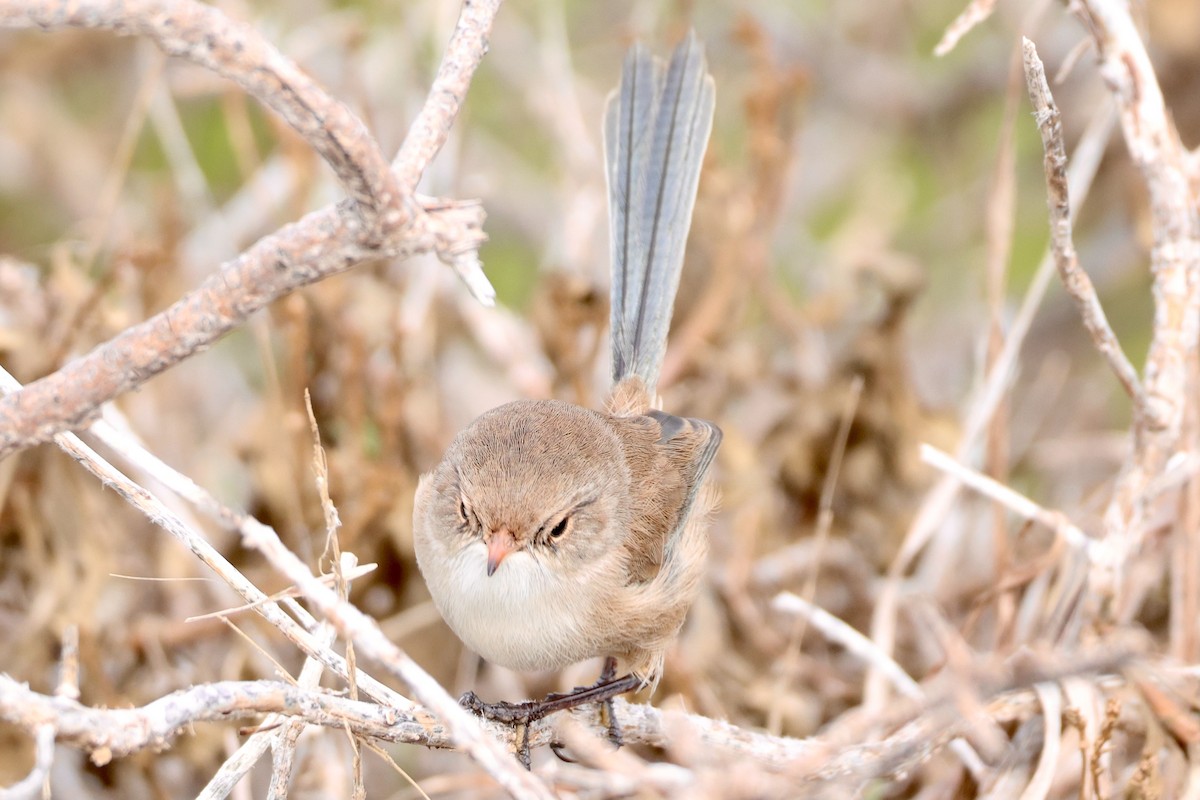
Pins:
<point x="656" y="129"/>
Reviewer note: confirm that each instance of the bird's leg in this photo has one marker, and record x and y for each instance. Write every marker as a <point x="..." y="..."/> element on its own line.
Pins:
<point x="525" y="714"/>
<point x="608" y="673"/>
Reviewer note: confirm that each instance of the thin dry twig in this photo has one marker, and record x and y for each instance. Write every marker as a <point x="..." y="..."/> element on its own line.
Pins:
<point x="465" y="729"/>
<point x="1075" y="279"/>
<point x="1016" y="502"/>
<point x="999" y="220"/>
<point x="975" y="14"/>
<point x="838" y="631"/>
<point x="284" y="743"/>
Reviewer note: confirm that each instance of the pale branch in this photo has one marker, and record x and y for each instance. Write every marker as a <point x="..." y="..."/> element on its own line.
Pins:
<point x="1014" y="501"/>
<point x="1155" y="149"/>
<point x="109" y="733"/>
<point x="118" y="732"/>
<point x="1075" y="279"/>
<point x="976" y="13"/>
<point x="836" y="630"/>
<point x="321" y="244"/>
<point x="460" y="59"/>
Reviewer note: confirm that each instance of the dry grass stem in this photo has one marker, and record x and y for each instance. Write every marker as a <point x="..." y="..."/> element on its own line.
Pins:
<point x="1015" y="502"/>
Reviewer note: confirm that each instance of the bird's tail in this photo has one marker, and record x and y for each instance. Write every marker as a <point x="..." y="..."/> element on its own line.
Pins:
<point x="656" y="129"/>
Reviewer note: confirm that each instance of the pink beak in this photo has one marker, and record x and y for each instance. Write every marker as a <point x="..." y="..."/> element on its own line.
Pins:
<point x="499" y="546"/>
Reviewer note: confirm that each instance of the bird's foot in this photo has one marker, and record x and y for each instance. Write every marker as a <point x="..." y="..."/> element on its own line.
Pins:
<point x="524" y="714"/>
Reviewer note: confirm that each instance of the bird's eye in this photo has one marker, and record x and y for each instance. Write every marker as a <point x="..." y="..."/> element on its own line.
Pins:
<point x="560" y="530"/>
<point x="462" y="511"/>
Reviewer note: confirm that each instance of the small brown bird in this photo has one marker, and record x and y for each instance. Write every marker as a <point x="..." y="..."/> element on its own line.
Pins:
<point x="551" y="533"/>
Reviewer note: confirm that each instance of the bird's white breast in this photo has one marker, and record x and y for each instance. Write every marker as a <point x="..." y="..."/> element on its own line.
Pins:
<point x="522" y="617"/>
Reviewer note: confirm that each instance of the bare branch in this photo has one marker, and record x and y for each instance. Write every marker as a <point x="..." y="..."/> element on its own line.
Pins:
<point x="109" y="733"/>
<point x="976" y="13"/>
<point x="1015" y="502"/>
<point x="121" y="731"/>
<point x="1078" y="284"/>
<point x="430" y="129"/>
<point x="323" y="243"/>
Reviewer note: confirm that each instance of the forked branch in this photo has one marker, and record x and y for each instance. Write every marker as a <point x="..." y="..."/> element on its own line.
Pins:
<point x="383" y="218"/>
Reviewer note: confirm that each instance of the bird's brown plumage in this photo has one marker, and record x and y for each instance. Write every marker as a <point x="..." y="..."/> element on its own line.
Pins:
<point x="550" y="533"/>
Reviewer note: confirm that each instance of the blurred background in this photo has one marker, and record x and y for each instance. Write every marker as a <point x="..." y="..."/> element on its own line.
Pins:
<point x="870" y="216"/>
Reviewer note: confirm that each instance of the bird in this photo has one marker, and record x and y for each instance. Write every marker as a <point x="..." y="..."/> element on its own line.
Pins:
<point x="551" y="533"/>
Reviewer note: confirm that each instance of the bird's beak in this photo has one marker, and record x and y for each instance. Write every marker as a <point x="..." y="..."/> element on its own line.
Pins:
<point x="499" y="546"/>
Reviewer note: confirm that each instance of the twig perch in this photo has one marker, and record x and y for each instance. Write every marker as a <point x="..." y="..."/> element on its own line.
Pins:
<point x="116" y="732"/>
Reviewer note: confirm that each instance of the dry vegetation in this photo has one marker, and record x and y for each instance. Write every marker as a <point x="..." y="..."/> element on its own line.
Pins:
<point x="957" y="553"/>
